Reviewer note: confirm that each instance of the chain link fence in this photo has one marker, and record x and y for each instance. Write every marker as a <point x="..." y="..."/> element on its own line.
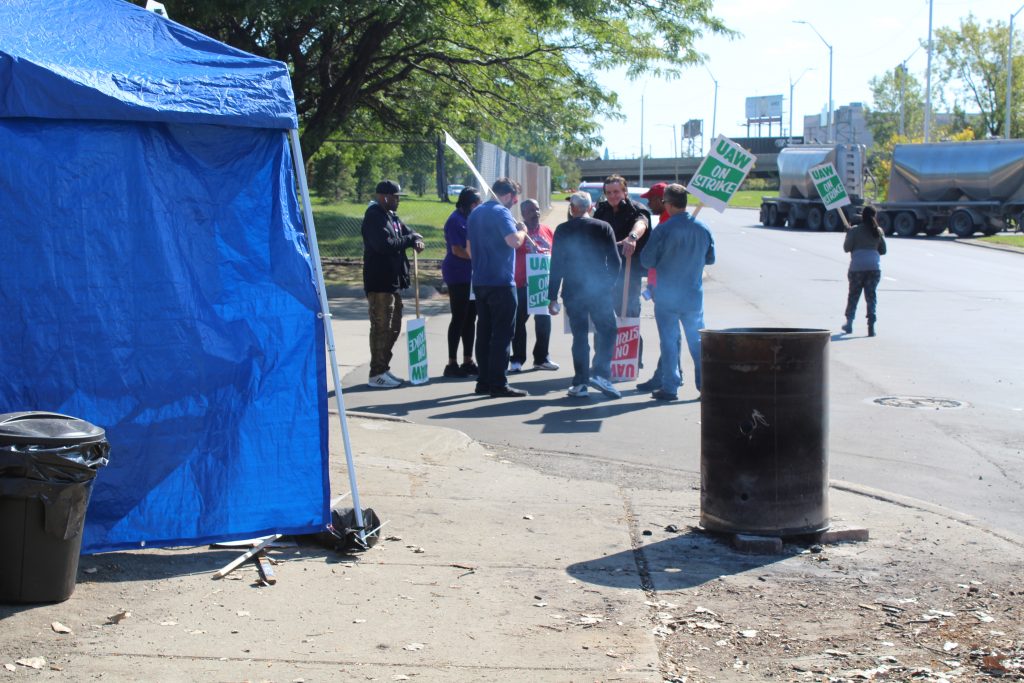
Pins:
<point x="344" y="173"/>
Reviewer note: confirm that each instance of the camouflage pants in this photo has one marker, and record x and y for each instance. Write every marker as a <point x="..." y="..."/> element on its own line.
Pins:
<point x="385" y="328"/>
<point x="863" y="281"/>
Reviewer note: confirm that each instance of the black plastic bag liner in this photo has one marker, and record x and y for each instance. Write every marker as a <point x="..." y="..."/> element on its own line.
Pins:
<point x="52" y="458"/>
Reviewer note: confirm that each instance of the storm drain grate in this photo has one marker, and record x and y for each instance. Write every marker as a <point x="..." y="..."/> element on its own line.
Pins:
<point x="921" y="402"/>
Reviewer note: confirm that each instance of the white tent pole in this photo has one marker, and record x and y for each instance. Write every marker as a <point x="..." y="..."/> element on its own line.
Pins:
<point x="325" y="314"/>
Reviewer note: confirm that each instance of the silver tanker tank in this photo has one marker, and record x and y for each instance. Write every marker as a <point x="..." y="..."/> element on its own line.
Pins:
<point x="795" y="164"/>
<point x="983" y="170"/>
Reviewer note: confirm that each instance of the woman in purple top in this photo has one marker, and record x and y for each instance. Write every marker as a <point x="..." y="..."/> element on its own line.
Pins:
<point x="456" y="269"/>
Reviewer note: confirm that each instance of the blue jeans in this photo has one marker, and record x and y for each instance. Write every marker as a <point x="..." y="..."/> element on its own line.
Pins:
<point x="580" y="311"/>
<point x="669" y="319"/>
<point x="495" y="325"/>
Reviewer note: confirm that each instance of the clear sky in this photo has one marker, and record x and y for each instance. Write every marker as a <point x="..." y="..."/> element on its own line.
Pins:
<point x="868" y="38"/>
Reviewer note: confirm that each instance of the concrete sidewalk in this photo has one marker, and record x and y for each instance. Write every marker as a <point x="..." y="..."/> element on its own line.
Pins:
<point x="489" y="570"/>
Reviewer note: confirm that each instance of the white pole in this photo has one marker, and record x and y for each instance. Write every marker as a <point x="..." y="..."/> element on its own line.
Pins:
<point x="928" y="81"/>
<point x="325" y="315"/>
<point x="714" y="111"/>
<point x="642" y="139"/>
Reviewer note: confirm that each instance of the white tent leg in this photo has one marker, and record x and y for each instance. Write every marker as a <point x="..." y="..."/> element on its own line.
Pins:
<point x="325" y="314"/>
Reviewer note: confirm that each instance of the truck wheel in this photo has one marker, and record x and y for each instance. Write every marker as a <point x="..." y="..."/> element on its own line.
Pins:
<point x="961" y="223"/>
<point x="905" y="224"/>
<point x="885" y="223"/>
<point x="832" y="220"/>
<point x="815" y="218"/>
<point x="773" y="216"/>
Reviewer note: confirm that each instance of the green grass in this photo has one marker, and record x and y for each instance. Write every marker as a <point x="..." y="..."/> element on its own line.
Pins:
<point x="1010" y="240"/>
<point x="338" y="225"/>
<point x="750" y="199"/>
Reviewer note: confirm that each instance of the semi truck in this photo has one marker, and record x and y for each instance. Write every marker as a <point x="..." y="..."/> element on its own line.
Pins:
<point x="966" y="187"/>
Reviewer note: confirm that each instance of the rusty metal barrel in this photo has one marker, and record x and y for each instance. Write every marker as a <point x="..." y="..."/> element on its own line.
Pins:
<point x="764" y="431"/>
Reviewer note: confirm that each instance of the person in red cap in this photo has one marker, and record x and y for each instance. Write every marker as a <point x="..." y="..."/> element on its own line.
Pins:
<point x="655" y="198"/>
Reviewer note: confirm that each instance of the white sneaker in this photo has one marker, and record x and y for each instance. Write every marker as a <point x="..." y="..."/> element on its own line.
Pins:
<point x="515" y="367"/>
<point x="546" y="365"/>
<point x="605" y="387"/>
<point x="383" y="381"/>
<point x="394" y="376"/>
<point x="578" y="390"/>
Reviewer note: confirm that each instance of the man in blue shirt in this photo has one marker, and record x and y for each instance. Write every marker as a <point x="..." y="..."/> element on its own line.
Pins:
<point x="493" y="237"/>
<point x="678" y="251"/>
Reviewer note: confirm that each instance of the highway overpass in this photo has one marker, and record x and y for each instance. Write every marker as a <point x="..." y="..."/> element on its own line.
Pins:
<point x="666" y="170"/>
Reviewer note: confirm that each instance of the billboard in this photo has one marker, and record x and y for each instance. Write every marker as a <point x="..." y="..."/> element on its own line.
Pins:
<point x="764" y="107"/>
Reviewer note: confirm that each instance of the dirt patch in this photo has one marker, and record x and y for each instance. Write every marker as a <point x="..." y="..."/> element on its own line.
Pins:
<point x="849" y="612"/>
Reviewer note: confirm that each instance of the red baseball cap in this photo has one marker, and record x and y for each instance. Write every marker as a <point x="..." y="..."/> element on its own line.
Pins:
<point x="657" y="190"/>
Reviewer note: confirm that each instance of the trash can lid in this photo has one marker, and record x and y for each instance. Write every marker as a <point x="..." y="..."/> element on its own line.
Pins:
<point x="47" y="429"/>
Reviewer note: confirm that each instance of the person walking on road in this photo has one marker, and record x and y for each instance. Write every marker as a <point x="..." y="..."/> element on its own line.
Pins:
<point x="385" y="274"/>
<point x="538" y="241"/>
<point x="584" y="264"/>
<point x="679" y="249"/>
<point x="493" y="237"/>
<point x="865" y="243"/>
<point x="457" y="271"/>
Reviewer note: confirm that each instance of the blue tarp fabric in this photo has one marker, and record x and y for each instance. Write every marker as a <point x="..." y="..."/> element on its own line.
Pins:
<point x="156" y="279"/>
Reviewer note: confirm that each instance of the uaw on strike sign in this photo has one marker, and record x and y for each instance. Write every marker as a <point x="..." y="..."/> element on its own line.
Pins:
<point x="721" y="173"/>
<point x="626" y="352"/>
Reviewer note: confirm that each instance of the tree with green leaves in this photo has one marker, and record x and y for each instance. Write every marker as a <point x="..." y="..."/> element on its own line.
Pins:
<point x="970" y="63"/>
<point x="470" y="66"/>
<point x="896" y="97"/>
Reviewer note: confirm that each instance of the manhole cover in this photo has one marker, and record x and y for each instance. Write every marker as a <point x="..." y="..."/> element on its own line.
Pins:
<point x="922" y="402"/>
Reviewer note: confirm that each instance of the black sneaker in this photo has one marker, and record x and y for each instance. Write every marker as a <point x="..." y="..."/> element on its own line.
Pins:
<point x="482" y="389"/>
<point x="662" y="395"/>
<point x="453" y="370"/>
<point x="507" y="392"/>
<point x="650" y="385"/>
<point x="470" y="368"/>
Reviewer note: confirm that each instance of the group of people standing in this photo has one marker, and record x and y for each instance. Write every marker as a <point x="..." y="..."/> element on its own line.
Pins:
<point x="598" y="259"/>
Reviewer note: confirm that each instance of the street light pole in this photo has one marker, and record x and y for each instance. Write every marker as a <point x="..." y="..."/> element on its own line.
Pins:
<point x="1009" y="74"/>
<point x="714" y="112"/>
<point x="901" y="72"/>
<point x="831" y="137"/>
<point x="928" y="80"/>
<point x="792" y="84"/>
<point x="642" y="139"/>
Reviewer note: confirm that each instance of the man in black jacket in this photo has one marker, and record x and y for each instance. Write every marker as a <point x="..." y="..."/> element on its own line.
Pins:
<point x="584" y="256"/>
<point x="385" y="274"/>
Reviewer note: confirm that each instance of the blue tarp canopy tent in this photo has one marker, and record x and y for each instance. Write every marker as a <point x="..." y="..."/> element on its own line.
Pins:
<point x="156" y="279"/>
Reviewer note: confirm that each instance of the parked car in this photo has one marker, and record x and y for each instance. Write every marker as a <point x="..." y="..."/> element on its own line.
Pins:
<point x="455" y="189"/>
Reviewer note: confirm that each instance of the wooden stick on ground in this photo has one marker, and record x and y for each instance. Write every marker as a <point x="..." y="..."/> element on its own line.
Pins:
<point x="237" y="562"/>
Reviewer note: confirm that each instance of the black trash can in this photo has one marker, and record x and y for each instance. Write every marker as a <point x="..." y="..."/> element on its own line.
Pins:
<point x="764" y="431"/>
<point x="48" y="463"/>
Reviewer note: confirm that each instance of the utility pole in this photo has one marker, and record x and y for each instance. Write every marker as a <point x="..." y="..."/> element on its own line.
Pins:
<point x="1009" y="75"/>
<point x="928" y="80"/>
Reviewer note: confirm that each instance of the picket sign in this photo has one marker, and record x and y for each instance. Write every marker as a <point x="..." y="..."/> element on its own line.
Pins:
<point x="830" y="188"/>
<point x="416" y="335"/>
<point x="626" y="352"/>
<point x="538" y="272"/>
<point x="721" y="173"/>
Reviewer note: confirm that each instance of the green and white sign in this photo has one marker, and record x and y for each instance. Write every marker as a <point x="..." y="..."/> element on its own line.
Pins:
<point x="830" y="186"/>
<point x="721" y="173"/>
<point x="538" y="271"/>
<point x="416" y="331"/>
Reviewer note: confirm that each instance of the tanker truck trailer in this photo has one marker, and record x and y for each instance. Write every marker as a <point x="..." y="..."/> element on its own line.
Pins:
<point x="968" y="187"/>
<point x="798" y="203"/>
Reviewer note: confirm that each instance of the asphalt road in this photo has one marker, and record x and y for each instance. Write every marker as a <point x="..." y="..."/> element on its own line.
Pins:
<point x="949" y="326"/>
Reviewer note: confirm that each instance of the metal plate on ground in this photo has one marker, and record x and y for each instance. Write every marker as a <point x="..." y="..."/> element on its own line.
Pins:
<point x="918" y="402"/>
